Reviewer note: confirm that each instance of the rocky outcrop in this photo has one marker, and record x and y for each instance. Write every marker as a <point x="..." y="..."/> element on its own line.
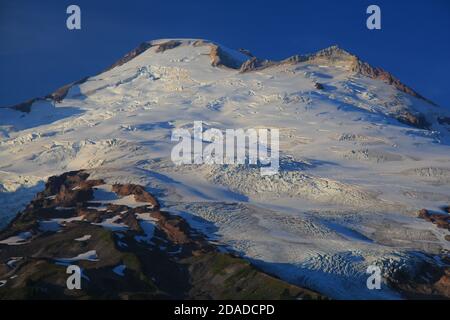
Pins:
<point x="331" y="55"/>
<point x="219" y="58"/>
<point x="125" y="252"/>
<point x="424" y="214"/>
<point x="440" y="220"/>
<point x="161" y="47"/>
<point x="139" y="192"/>
<point x="144" y="46"/>
<point x="71" y="179"/>
<point x="415" y="120"/>
<point x="335" y="55"/>
<point x="367" y="70"/>
<point x="57" y="96"/>
<point x="255" y="64"/>
<point x="428" y="279"/>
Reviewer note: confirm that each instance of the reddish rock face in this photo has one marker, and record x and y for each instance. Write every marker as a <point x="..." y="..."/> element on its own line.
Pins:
<point x="380" y="74"/>
<point x="173" y="261"/>
<point x="424" y="214"/>
<point x="442" y="286"/>
<point x="138" y="191"/>
<point x="415" y="120"/>
<point x="70" y="198"/>
<point x="167" y="45"/>
<point x="440" y="220"/>
<point x="255" y="64"/>
<point x="131" y="55"/>
<point x="220" y="58"/>
<point x="175" y="229"/>
<point x="428" y="280"/>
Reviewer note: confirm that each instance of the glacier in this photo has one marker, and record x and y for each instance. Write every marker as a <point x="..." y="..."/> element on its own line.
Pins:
<point x="359" y="155"/>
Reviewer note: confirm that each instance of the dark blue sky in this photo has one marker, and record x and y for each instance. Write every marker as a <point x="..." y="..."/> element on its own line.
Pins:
<point x="38" y="53"/>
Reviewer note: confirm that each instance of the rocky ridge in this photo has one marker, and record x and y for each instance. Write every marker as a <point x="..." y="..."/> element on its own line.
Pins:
<point x="132" y="251"/>
<point x="219" y="56"/>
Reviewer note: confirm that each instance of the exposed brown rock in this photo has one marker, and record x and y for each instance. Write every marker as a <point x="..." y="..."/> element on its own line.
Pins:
<point x="440" y="220"/>
<point x="443" y="284"/>
<point x="294" y="59"/>
<point x="70" y="198"/>
<point x="427" y="281"/>
<point x="129" y="219"/>
<point x="220" y="58"/>
<point x="200" y="43"/>
<point x="167" y="45"/>
<point x="415" y="120"/>
<point x="255" y="64"/>
<point x="331" y="55"/>
<point x="424" y="214"/>
<point x="70" y="180"/>
<point x="131" y="55"/>
<point x="175" y="228"/>
<point x="61" y="93"/>
<point x="173" y="262"/>
<point x="139" y="192"/>
<point x="336" y="56"/>
<point x="380" y="74"/>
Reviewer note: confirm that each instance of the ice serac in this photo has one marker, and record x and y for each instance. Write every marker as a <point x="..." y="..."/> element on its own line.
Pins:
<point x="360" y="154"/>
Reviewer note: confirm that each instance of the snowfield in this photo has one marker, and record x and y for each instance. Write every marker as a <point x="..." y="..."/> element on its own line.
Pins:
<point x="352" y="176"/>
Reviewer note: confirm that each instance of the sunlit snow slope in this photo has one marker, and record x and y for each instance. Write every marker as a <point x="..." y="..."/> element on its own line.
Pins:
<point x="358" y="157"/>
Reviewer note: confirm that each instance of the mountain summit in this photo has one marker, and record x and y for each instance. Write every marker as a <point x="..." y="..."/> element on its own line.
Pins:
<point x="244" y="61"/>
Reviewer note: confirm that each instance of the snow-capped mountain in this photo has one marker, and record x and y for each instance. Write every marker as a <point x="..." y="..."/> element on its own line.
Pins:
<point x="360" y="154"/>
